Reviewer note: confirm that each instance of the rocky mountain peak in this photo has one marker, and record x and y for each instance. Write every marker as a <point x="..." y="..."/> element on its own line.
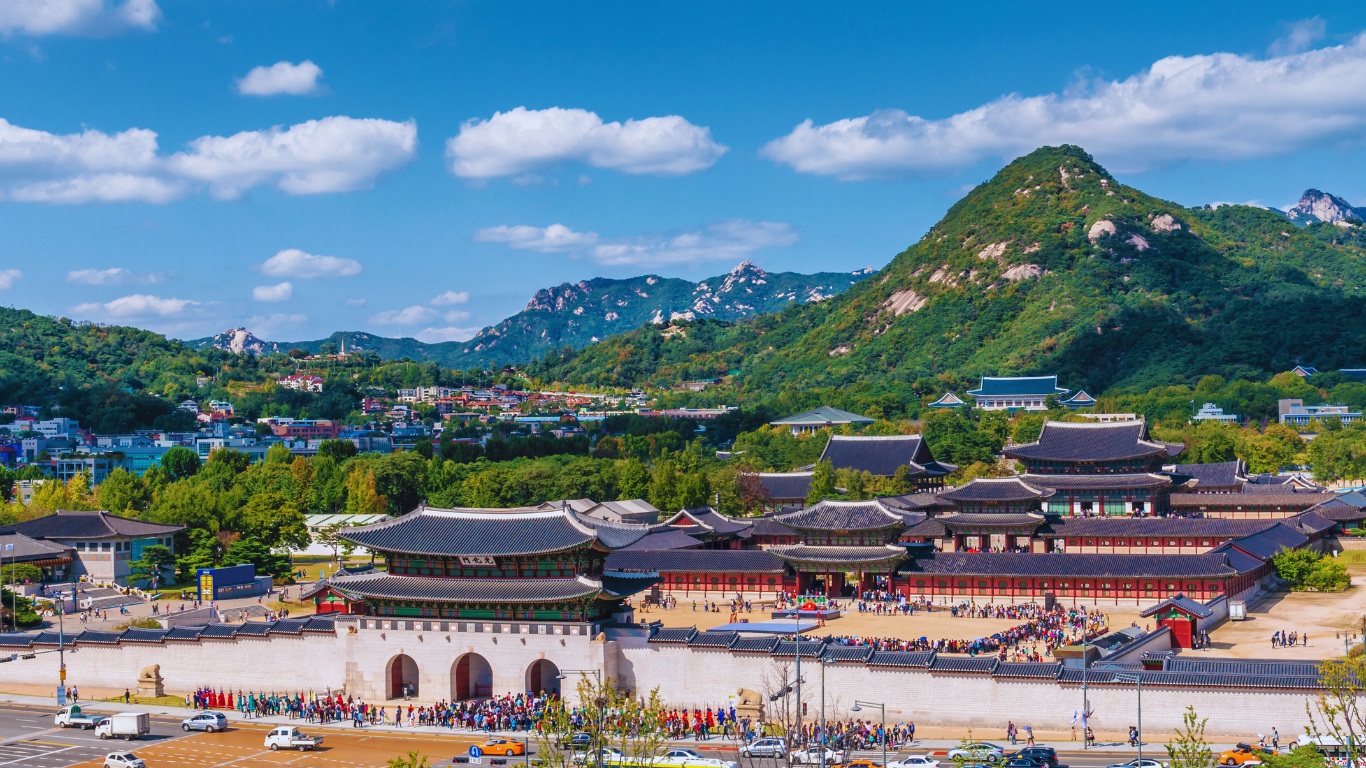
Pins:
<point x="239" y="340"/>
<point x="1316" y="205"/>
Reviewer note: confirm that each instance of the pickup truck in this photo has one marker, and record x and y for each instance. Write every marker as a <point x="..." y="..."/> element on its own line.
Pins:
<point x="291" y="738"/>
<point x="73" y="717"/>
<point x="126" y="725"/>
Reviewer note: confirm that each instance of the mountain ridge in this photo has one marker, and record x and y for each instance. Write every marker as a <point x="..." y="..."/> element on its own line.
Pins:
<point x="576" y="314"/>
<point x="1051" y="266"/>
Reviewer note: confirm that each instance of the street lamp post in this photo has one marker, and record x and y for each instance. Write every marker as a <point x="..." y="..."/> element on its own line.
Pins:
<point x="1085" y="704"/>
<point x="858" y="706"/>
<point x="825" y="737"/>
<point x="600" y="703"/>
<point x="1137" y="680"/>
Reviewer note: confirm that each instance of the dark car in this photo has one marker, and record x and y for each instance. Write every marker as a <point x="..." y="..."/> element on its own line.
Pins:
<point x="577" y="741"/>
<point x="1025" y="762"/>
<point x="1041" y="755"/>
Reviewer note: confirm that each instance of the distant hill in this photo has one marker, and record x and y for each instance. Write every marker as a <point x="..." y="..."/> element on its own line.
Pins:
<point x="1315" y="206"/>
<point x="1052" y="266"/>
<point x="577" y="314"/>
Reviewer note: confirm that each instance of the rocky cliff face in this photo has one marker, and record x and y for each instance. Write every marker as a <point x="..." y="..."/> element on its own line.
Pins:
<point x="238" y="340"/>
<point x="1315" y="206"/>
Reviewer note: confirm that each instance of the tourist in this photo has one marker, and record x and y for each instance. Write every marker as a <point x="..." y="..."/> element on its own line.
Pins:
<point x="1275" y="738"/>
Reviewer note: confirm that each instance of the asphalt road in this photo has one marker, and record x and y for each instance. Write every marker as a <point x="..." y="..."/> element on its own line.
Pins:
<point x="28" y="739"/>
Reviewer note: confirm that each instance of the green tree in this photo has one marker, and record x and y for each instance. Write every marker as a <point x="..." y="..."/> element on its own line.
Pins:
<point x="258" y="554"/>
<point x="204" y="551"/>
<point x="361" y="496"/>
<point x="270" y="517"/>
<point x="181" y="462"/>
<point x="822" y="483"/>
<point x="337" y="450"/>
<point x="1337" y="713"/>
<point x="122" y="493"/>
<point x="17" y="612"/>
<point x="278" y="454"/>
<point x="20" y="573"/>
<point x="411" y="759"/>
<point x="1294" y="566"/>
<point x="1328" y="575"/>
<point x="1189" y="748"/>
<point x="155" y="561"/>
<point x="633" y="480"/>
<point x="1299" y="757"/>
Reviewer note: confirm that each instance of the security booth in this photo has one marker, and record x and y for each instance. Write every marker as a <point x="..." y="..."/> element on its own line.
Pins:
<point x="1182" y="616"/>
<point x="230" y="582"/>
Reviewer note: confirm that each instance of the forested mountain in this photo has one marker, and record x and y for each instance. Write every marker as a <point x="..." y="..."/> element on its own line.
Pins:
<point x="1052" y="266"/>
<point x="577" y="314"/>
<point x="1315" y="206"/>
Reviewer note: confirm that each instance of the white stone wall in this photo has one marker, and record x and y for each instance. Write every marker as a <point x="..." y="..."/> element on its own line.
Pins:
<point x="688" y="678"/>
<point x="358" y="662"/>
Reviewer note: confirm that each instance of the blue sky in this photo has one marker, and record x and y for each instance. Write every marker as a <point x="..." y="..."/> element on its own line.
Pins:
<point x="420" y="169"/>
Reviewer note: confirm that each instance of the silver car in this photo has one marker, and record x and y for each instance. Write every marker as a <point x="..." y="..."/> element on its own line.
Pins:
<point x="209" y="722"/>
<point x="766" y="747"/>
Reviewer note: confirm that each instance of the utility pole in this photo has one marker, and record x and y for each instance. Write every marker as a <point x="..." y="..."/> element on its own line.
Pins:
<point x="1085" y="705"/>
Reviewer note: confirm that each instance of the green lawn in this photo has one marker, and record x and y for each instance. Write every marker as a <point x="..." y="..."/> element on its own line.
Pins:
<point x="1352" y="557"/>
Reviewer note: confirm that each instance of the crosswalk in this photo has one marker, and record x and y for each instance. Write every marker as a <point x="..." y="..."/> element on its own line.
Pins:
<point x="44" y="754"/>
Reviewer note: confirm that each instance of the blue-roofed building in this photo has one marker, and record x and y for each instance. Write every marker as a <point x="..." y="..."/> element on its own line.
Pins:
<point x="1079" y="400"/>
<point x="949" y="400"/>
<point x="1016" y="393"/>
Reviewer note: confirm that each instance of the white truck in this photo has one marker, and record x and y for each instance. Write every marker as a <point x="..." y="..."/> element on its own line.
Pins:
<point x="125" y="725"/>
<point x="291" y="738"/>
<point x="73" y="717"/>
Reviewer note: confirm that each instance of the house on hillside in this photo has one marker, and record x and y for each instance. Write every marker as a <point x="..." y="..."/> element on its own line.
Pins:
<point x="1014" y="393"/>
<point x="820" y="418"/>
<point x="1294" y="412"/>
<point x="1212" y="412"/>
<point x="302" y="382"/>
<point x="1079" y="400"/>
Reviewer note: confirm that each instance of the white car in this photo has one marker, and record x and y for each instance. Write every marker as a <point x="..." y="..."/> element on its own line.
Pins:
<point x="981" y="751"/>
<point x="812" y="756"/>
<point x="123" y="760"/>
<point x="915" y="761"/>
<point x="1145" y="764"/>
<point x="680" y="757"/>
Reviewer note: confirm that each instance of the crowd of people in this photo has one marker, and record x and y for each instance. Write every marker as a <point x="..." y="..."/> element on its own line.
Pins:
<point x="1282" y="639"/>
<point x="1041" y="631"/>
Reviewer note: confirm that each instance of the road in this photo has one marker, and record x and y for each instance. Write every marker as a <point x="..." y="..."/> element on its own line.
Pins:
<point x="29" y="740"/>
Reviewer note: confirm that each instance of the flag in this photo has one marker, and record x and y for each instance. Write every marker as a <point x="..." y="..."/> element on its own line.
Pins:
<point x="8" y="547"/>
<point x="1074" y="717"/>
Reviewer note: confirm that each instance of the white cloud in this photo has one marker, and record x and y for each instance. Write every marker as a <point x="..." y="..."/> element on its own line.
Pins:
<point x="292" y="262"/>
<point x="725" y="240"/>
<point x="282" y="78"/>
<point x="437" y="335"/>
<point x="450" y="297"/>
<point x="455" y="315"/>
<point x="1220" y="106"/>
<point x="355" y="302"/>
<point x="335" y="154"/>
<point x="556" y="238"/>
<point x="76" y="17"/>
<point x="1299" y="36"/>
<point x="279" y="292"/>
<point x="135" y="306"/>
<point x="522" y="140"/>
<point x="267" y="326"/>
<point x="8" y="277"/>
<point x="111" y="276"/>
<point x="414" y="315"/>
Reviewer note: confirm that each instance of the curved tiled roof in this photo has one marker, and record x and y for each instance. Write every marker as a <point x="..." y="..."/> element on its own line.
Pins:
<point x="98" y="524"/>
<point x="384" y="586"/>
<point x="707" y="519"/>
<point x="1063" y="483"/>
<point x="883" y="455"/>
<point x="1217" y="527"/>
<point x="785" y="485"/>
<point x="1087" y="442"/>
<point x="661" y="540"/>
<point x="455" y="532"/>
<point x="843" y="516"/>
<point x="846" y="555"/>
<point x="1073" y="565"/>
<point x="1301" y="500"/>
<point x="1019" y="521"/>
<point x="996" y="489"/>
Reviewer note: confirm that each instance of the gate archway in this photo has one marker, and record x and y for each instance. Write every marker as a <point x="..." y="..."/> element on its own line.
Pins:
<point x="402" y="676"/>
<point x="471" y="678"/>
<point x="543" y="675"/>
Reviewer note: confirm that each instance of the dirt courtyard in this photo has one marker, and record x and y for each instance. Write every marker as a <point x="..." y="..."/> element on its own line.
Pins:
<point x="935" y="625"/>
<point x="1320" y="614"/>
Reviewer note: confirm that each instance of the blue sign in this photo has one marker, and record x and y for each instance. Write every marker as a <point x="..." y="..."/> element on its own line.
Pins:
<point x="475" y="751"/>
<point x="61" y="696"/>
